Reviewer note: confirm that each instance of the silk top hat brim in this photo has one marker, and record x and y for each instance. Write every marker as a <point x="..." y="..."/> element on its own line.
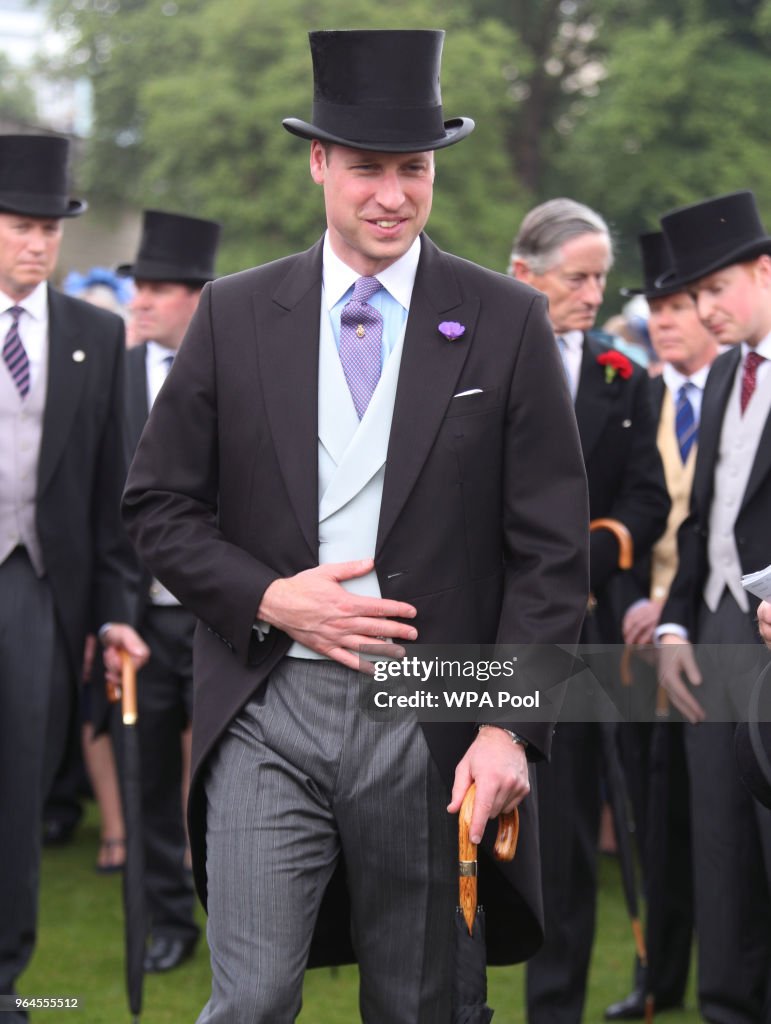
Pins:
<point x="33" y="177"/>
<point x="379" y="91"/>
<point x="706" y="237"/>
<point x="48" y="207"/>
<point x="655" y="262"/>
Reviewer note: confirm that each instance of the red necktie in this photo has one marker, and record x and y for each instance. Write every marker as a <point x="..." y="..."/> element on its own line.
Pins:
<point x="749" y="378"/>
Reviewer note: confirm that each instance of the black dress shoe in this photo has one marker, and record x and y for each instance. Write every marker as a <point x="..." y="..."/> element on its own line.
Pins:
<point x="57" y="833"/>
<point x="165" y="953"/>
<point x="630" y="1008"/>
<point x="633" y="1007"/>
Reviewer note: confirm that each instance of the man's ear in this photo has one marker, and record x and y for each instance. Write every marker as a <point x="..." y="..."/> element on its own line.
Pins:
<point x="318" y="162"/>
<point x="521" y="271"/>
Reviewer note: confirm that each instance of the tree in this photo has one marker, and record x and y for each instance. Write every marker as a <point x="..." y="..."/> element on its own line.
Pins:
<point x="17" y="98"/>
<point x="198" y="128"/>
<point x="681" y="116"/>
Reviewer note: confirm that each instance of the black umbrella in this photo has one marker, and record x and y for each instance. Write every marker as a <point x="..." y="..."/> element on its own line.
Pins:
<point x="620" y="809"/>
<point x="618" y="798"/>
<point x="469" y="990"/>
<point x="134" y="910"/>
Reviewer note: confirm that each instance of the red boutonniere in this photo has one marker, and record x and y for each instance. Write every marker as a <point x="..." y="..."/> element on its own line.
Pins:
<point x="615" y="363"/>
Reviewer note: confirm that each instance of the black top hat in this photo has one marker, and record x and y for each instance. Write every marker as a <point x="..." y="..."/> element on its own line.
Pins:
<point x="712" y="234"/>
<point x="175" y="248"/>
<point x="379" y="90"/>
<point x="656" y="262"/>
<point x="33" y="177"/>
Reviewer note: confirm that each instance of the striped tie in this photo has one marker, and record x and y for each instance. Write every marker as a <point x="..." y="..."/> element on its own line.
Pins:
<point x="685" y="421"/>
<point x="15" y="355"/>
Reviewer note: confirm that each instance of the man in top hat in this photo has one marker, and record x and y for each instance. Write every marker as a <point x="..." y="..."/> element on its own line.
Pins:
<point x="722" y="254"/>
<point x="366" y="441"/>
<point x="563" y="248"/>
<point x="175" y="260"/>
<point x="654" y="752"/>
<point x="62" y="549"/>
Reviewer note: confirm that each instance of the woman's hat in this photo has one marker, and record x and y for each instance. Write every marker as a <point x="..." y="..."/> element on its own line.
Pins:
<point x="379" y="90"/>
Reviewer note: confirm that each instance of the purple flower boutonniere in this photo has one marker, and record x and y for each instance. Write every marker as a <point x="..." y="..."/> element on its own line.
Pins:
<point x="451" y="330"/>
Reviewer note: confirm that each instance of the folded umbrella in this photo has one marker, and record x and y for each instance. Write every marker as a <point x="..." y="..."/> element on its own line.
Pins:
<point x="134" y="909"/>
<point x="614" y="775"/>
<point x="469" y="994"/>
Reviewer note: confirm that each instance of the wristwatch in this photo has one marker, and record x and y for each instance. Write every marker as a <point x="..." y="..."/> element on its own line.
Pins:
<point x="514" y="735"/>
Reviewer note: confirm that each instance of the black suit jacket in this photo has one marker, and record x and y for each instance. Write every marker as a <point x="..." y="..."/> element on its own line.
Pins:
<point x="137" y="411"/>
<point x="751" y="530"/>
<point x="483" y="522"/>
<point x="618" y="429"/>
<point x="81" y="470"/>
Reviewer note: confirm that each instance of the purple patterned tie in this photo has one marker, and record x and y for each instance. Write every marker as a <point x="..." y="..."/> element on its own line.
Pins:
<point x="361" y="335"/>
<point x="15" y="354"/>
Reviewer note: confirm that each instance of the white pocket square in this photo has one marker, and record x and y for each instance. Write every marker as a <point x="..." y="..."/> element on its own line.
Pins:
<point x="471" y="391"/>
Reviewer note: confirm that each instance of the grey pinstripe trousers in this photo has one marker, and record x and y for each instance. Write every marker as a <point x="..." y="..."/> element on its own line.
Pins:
<point x="302" y="778"/>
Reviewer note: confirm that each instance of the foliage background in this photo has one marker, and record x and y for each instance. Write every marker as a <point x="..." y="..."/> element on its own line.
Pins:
<point x="634" y="106"/>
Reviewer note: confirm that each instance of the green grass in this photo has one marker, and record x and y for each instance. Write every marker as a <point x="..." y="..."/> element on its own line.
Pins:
<point x="80" y="953"/>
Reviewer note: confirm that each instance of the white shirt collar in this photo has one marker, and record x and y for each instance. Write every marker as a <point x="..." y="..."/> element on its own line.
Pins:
<point x="36" y="303"/>
<point x="158" y="354"/>
<point x="763" y="348"/>
<point x="398" y="279"/>
<point x="574" y="340"/>
<point x="674" y="380"/>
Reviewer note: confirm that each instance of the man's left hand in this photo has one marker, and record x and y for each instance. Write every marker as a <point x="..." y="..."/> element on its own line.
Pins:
<point x="764" y="621"/>
<point x="498" y="766"/>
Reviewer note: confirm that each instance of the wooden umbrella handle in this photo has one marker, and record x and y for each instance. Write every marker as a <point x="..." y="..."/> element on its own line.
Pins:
<point x="505" y="848"/>
<point x="622" y="535"/>
<point x="128" y="689"/>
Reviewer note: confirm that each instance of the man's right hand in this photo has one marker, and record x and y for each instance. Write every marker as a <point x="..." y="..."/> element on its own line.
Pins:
<point x="314" y="609"/>
<point x="676" y="660"/>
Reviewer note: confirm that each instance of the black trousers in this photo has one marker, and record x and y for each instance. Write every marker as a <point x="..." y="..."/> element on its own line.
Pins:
<point x="36" y="690"/>
<point x="569" y="809"/>
<point x="731" y="839"/>
<point x="653" y="755"/>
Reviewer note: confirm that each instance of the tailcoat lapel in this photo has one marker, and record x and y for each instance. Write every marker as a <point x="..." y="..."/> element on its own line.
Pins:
<point x="430" y="368"/>
<point x="137" y="409"/>
<point x="761" y="467"/>
<point x="287" y="329"/>
<point x="716" y="394"/>
<point x="594" y="396"/>
<point x="66" y="379"/>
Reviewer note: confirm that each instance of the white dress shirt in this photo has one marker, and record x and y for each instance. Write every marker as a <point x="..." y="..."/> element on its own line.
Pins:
<point x="33" y="326"/>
